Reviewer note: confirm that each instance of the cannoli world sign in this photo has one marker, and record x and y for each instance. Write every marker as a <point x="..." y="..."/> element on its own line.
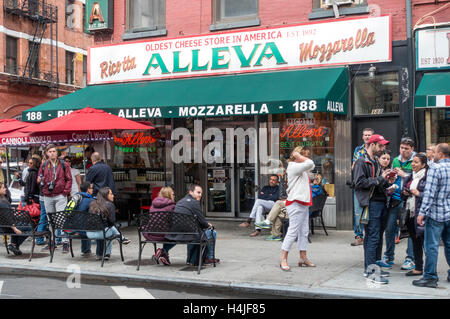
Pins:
<point x="343" y="42"/>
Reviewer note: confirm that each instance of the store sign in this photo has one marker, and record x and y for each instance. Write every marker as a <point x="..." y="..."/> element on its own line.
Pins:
<point x="56" y="138"/>
<point x="135" y="139"/>
<point x="343" y="42"/>
<point x="99" y="15"/>
<point x="433" y="49"/>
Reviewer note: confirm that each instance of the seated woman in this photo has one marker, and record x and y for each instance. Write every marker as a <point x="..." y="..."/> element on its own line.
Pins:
<point x="16" y="241"/>
<point x="103" y="205"/>
<point x="164" y="202"/>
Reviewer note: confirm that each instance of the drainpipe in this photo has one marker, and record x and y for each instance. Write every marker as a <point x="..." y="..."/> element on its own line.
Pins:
<point x="408" y="79"/>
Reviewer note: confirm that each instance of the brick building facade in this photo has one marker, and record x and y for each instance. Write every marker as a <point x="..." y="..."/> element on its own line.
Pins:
<point x="57" y="64"/>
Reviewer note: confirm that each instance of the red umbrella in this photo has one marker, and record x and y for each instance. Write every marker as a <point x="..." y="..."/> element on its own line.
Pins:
<point x="88" y="119"/>
<point x="9" y="125"/>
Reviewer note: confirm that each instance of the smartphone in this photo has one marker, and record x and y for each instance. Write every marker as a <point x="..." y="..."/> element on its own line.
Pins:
<point x="392" y="174"/>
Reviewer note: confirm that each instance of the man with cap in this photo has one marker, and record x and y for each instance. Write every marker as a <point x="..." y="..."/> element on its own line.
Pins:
<point x="370" y="187"/>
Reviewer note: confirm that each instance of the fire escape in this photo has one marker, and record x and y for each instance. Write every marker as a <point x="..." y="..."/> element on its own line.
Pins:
<point x="44" y="19"/>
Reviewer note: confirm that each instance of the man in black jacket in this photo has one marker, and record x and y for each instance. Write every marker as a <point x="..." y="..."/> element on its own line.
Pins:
<point x="370" y="187"/>
<point x="100" y="174"/>
<point x="189" y="205"/>
<point x="267" y="197"/>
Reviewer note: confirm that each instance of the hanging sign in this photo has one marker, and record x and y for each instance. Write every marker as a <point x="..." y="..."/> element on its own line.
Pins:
<point x="343" y="42"/>
<point x="99" y="15"/>
<point x="433" y="49"/>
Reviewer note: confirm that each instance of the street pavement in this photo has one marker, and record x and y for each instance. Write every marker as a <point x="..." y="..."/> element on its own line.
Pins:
<point x="247" y="265"/>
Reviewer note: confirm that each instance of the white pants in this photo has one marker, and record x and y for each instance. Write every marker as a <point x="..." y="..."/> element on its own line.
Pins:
<point x="298" y="227"/>
<point x="259" y="208"/>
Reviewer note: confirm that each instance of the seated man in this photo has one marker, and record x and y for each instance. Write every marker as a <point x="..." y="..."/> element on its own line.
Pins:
<point x="190" y="205"/>
<point x="274" y="220"/>
<point x="266" y="200"/>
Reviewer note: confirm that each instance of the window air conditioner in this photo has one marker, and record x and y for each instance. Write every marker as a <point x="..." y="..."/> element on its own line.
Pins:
<point x="329" y="3"/>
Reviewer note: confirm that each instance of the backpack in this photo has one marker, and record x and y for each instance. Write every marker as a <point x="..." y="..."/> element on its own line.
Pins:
<point x="73" y="203"/>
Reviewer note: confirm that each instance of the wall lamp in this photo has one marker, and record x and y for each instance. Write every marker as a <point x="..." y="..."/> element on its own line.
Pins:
<point x="372" y="71"/>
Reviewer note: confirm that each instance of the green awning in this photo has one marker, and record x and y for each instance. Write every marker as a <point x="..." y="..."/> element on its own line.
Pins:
<point x="433" y="91"/>
<point x="318" y="90"/>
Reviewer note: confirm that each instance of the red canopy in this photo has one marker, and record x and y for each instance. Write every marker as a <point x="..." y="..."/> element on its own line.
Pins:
<point x="9" y="125"/>
<point x="87" y="119"/>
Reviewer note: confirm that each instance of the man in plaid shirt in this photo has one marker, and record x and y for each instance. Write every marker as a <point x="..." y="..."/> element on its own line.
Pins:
<point x="436" y="208"/>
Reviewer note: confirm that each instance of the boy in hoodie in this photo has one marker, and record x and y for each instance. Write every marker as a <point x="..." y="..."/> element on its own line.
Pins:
<point x="86" y="189"/>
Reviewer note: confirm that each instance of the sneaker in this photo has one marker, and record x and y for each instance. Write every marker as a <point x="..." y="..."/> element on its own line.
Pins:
<point x="47" y="248"/>
<point x="66" y="248"/>
<point x="13" y="248"/>
<point x="408" y="265"/>
<point x="107" y="256"/>
<point x="397" y="239"/>
<point x="125" y="241"/>
<point x="429" y="283"/>
<point x="385" y="263"/>
<point x="376" y="279"/>
<point x="86" y="254"/>
<point x="164" y="259"/>
<point x="263" y="225"/>
<point x="158" y="253"/>
<point x="358" y="241"/>
<point x="274" y="238"/>
<point x="209" y="261"/>
<point x="381" y="274"/>
<point x="41" y="243"/>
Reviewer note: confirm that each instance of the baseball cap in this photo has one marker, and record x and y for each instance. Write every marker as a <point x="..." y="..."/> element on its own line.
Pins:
<point x="376" y="138"/>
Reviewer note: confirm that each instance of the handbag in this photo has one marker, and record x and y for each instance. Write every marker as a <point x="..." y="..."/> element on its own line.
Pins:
<point x="34" y="209"/>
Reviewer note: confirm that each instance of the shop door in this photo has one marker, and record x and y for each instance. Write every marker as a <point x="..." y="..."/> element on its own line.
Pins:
<point x="386" y="126"/>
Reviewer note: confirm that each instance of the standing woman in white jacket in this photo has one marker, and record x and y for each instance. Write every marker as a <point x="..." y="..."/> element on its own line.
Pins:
<point x="297" y="205"/>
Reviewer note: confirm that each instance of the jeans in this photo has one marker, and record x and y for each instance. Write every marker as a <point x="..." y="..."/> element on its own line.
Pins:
<point x="261" y="206"/>
<point x="434" y="231"/>
<point x="372" y="233"/>
<point x="86" y="244"/>
<point x="357" y="211"/>
<point x="109" y="232"/>
<point x="193" y="250"/>
<point x="410" y="250"/>
<point x="390" y="231"/>
<point x="17" y="240"/>
<point x="42" y="222"/>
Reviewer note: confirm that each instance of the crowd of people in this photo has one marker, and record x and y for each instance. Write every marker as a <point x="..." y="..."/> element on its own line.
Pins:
<point x="409" y="192"/>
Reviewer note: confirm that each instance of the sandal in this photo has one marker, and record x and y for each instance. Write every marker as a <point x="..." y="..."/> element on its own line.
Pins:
<point x="286" y="267"/>
<point x="306" y="263"/>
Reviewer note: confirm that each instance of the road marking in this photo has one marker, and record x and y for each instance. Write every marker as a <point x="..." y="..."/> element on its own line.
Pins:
<point x="131" y="293"/>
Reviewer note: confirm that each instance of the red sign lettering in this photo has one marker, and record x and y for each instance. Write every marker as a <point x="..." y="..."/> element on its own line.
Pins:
<point x="134" y="139"/>
<point x="299" y="131"/>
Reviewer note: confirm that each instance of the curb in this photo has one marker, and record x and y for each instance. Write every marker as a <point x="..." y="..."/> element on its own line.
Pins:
<point x="243" y="288"/>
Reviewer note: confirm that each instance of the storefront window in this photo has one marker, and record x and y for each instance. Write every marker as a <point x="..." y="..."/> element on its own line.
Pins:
<point x="377" y="94"/>
<point x="313" y="131"/>
<point x="440" y="126"/>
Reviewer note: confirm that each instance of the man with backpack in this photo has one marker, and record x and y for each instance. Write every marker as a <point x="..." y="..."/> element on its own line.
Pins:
<point x="56" y="181"/>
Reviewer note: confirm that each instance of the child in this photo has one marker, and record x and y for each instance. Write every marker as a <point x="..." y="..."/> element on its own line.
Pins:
<point x="316" y="186"/>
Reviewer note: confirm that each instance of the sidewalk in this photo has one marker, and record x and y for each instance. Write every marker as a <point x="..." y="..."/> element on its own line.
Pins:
<point x="247" y="265"/>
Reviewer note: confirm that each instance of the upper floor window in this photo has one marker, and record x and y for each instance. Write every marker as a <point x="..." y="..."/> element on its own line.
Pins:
<point x="11" y="55"/>
<point x="69" y="67"/>
<point x="84" y="70"/>
<point x="145" y="15"/>
<point x="235" y="14"/>
<point x="145" y="18"/>
<point x="33" y="58"/>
